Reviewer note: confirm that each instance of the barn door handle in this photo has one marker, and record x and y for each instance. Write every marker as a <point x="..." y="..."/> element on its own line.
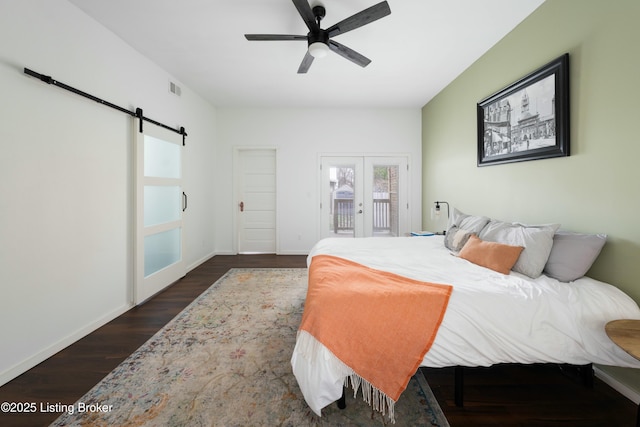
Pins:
<point x="241" y="206"/>
<point x="184" y="201"/>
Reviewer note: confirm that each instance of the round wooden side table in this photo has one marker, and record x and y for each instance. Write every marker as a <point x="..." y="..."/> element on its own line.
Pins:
<point x="626" y="334"/>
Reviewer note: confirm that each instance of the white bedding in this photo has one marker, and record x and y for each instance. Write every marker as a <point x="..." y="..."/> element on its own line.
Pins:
<point x="491" y="318"/>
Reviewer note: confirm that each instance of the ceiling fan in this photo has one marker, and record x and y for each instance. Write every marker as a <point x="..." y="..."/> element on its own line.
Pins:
<point x="320" y="41"/>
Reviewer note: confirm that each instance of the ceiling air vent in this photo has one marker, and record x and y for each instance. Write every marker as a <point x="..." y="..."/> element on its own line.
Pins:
<point x="175" y="89"/>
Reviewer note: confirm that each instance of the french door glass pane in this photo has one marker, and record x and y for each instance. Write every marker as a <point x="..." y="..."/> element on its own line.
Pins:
<point x="162" y="204"/>
<point x="161" y="158"/>
<point x="385" y="200"/>
<point x="342" y="210"/>
<point x="161" y="250"/>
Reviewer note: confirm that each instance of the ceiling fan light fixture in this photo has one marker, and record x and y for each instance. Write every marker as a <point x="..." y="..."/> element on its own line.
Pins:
<point x="318" y="49"/>
<point x="319" y="40"/>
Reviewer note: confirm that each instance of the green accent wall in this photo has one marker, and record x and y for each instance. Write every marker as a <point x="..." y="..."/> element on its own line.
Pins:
<point x="597" y="188"/>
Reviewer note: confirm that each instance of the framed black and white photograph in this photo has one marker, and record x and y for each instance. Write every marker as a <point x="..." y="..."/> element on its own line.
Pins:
<point x="527" y="120"/>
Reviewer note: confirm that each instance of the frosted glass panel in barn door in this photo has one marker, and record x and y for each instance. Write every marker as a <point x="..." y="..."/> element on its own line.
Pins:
<point x="160" y="202"/>
<point x="256" y="200"/>
<point x="363" y="196"/>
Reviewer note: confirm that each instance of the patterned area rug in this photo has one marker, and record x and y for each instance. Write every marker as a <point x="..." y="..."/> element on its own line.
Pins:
<point x="225" y="361"/>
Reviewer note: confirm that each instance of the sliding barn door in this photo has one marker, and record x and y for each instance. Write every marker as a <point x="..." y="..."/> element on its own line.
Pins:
<point x="160" y="203"/>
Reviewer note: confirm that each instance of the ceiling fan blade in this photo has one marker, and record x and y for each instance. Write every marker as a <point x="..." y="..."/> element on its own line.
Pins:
<point x="348" y="53"/>
<point x="307" y="14"/>
<point x="267" y="37"/>
<point x="306" y="63"/>
<point x="364" y="17"/>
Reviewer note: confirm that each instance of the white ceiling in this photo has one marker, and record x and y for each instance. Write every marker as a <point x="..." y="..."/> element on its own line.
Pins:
<point x="416" y="51"/>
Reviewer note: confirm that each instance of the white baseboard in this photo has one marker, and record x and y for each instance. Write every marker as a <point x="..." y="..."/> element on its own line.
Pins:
<point x="22" y="367"/>
<point x="615" y="384"/>
<point x="293" y="252"/>
<point x="200" y="261"/>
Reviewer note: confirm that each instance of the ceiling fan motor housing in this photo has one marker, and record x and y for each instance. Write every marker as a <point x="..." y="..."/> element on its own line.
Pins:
<point x="321" y="36"/>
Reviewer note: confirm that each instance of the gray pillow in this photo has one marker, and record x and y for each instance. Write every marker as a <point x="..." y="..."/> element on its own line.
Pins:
<point x="471" y="223"/>
<point x="460" y="227"/>
<point x="573" y="254"/>
<point x="537" y="241"/>
<point x="456" y="238"/>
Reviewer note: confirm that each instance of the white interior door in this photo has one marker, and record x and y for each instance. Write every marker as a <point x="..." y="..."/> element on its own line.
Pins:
<point x="363" y="196"/>
<point x="256" y="200"/>
<point x="160" y="202"/>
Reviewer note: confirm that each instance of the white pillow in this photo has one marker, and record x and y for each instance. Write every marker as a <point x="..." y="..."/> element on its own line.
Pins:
<point x="537" y="241"/>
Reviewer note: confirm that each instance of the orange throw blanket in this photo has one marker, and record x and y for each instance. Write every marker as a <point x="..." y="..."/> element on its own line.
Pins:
<point x="377" y="323"/>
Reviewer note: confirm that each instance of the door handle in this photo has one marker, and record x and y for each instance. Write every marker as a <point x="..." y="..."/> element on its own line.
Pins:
<point x="184" y="201"/>
<point x="241" y="206"/>
<point x="360" y="211"/>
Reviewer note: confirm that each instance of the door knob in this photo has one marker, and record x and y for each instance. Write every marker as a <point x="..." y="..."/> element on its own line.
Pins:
<point x="241" y="206"/>
<point x="360" y="211"/>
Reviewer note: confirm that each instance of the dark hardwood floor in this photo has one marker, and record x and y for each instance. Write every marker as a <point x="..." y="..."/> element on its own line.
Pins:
<point x="509" y="395"/>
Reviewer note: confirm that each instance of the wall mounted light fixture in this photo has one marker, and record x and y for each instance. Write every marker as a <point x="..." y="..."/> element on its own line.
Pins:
<point x="437" y="212"/>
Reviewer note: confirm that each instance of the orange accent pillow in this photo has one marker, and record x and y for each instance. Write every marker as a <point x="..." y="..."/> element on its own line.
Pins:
<point x="496" y="256"/>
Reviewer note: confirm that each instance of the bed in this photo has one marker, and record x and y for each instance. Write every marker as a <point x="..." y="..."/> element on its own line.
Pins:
<point x="490" y="317"/>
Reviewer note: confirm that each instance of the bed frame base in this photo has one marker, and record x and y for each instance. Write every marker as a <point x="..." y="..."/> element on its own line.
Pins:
<point x="458" y="385"/>
<point x="342" y="402"/>
<point x="585" y="373"/>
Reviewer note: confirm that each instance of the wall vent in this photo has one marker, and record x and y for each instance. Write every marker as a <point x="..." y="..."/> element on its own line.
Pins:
<point x="175" y="89"/>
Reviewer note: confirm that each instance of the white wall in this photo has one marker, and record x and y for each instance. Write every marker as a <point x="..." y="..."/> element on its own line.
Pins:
<point x="300" y="136"/>
<point x="66" y="176"/>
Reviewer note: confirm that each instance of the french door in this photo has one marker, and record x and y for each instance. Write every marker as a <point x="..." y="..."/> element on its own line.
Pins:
<point x="363" y="196"/>
<point x="160" y="203"/>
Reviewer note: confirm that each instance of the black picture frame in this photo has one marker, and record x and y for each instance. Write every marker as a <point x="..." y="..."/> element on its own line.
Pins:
<point x="527" y="120"/>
